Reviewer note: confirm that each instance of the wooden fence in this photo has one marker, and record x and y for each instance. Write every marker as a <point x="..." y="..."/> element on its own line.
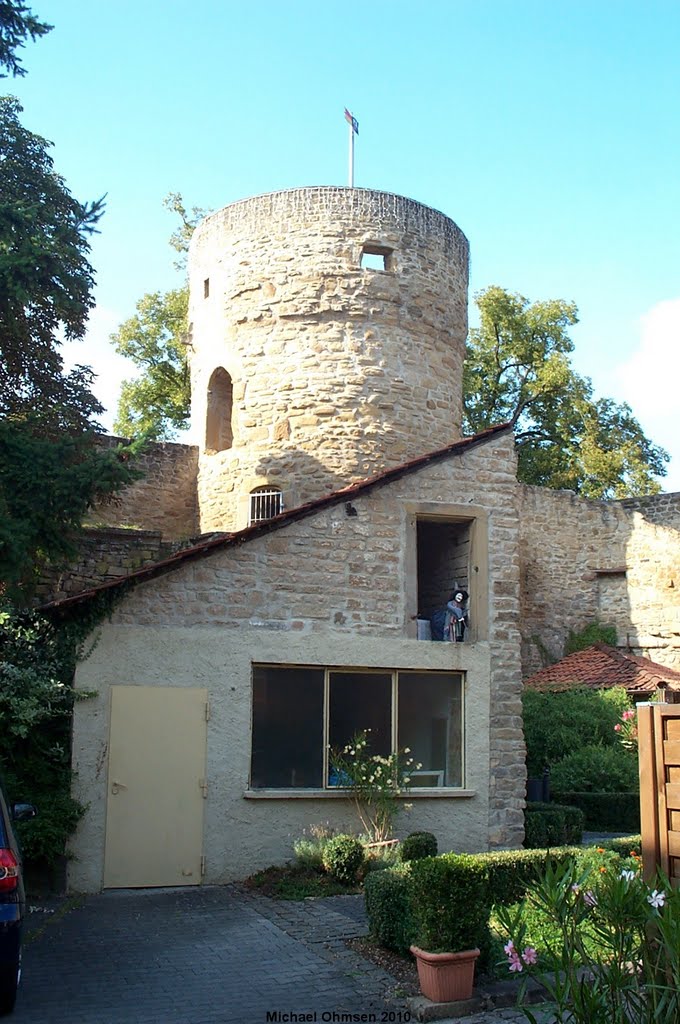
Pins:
<point x="659" y="752"/>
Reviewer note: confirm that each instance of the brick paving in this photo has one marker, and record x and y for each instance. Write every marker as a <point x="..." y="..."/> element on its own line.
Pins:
<point x="214" y="955"/>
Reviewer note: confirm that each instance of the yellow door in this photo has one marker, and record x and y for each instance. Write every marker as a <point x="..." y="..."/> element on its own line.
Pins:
<point x="156" y="786"/>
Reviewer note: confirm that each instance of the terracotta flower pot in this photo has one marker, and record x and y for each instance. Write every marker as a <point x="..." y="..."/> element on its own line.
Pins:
<point x="446" y="977"/>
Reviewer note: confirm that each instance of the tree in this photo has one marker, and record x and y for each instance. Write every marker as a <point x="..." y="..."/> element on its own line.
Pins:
<point x="16" y="24"/>
<point x="51" y="466"/>
<point x="45" y="280"/>
<point x="518" y="370"/>
<point x="157" y="402"/>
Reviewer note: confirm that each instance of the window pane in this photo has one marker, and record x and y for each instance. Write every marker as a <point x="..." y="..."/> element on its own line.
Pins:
<point x="361" y="701"/>
<point x="431" y="725"/>
<point x="287" y="728"/>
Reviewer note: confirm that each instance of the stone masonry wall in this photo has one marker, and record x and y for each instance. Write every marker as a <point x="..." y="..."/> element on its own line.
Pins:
<point x="104" y="554"/>
<point x="332" y="575"/>
<point x="337" y="371"/>
<point x="164" y="499"/>
<point x="617" y="562"/>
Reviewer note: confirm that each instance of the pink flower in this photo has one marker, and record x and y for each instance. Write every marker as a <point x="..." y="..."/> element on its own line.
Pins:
<point x="627" y="715"/>
<point x="530" y="956"/>
<point x="515" y="963"/>
<point x="618" y="727"/>
<point x="509" y="947"/>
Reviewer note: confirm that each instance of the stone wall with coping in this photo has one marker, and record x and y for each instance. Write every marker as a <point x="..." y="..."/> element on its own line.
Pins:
<point x="164" y="499"/>
<point x="616" y="562"/>
<point x="337" y="371"/>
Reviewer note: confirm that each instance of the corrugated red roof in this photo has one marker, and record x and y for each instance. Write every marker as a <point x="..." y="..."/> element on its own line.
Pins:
<point x="600" y="667"/>
<point x="215" y="542"/>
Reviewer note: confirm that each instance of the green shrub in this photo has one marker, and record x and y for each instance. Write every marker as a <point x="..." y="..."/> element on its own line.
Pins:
<point x="418" y="845"/>
<point x="343" y="857"/>
<point x="594" y="632"/>
<point x="606" y="812"/>
<point x="596" y="769"/>
<point x="388" y="908"/>
<point x="512" y="872"/>
<point x="555" y="724"/>
<point x="309" y="849"/>
<point x="548" y="825"/>
<point x="451" y="902"/>
<point x="625" y="845"/>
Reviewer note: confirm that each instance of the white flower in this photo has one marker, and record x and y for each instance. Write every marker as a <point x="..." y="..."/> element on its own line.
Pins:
<point x="628" y="875"/>
<point x="407" y="750"/>
<point x="657" y="899"/>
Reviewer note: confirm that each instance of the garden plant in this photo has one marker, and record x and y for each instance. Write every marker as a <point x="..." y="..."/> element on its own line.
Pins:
<point x="604" y="944"/>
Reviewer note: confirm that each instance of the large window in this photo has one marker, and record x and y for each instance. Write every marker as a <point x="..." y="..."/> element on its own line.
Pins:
<point x="298" y="713"/>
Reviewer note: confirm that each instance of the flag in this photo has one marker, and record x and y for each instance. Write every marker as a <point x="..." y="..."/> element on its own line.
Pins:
<point x="352" y="120"/>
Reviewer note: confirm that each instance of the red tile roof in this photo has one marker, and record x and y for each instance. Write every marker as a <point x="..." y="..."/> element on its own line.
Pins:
<point x="600" y="667"/>
<point x="216" y="541"/>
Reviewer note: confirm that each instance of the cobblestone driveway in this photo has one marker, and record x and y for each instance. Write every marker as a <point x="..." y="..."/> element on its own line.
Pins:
<point x="213" y="955"/>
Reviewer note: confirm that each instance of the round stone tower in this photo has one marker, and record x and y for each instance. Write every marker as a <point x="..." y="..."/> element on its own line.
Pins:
<point x="327" y="337"/>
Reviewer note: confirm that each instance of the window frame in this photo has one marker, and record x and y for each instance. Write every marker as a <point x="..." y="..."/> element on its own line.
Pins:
<point x="326" y="789"/>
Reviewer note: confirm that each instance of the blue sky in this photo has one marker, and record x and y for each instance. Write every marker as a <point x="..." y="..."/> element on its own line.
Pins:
<point x="547" y="130"/>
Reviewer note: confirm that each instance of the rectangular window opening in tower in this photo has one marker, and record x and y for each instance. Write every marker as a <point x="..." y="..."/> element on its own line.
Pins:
<point x="206" y="288"/>
<point x="376" y="257"/>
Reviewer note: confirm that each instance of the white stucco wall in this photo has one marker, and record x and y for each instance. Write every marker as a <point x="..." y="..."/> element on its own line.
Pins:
<point x="244" y="834"/>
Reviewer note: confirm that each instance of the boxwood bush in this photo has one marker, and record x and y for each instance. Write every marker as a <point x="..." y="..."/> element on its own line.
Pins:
<point x="343" y="857"/>
<point x="548" y="825"/>
<point x="451" y="902"/>
<point x="388" y="907"/>
<point x="418" y="845"/>
<point x="606" y="812"/>
<point x="596" y="769"/>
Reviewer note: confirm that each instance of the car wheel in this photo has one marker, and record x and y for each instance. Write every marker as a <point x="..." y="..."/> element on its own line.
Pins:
<point x="9" y="982"/>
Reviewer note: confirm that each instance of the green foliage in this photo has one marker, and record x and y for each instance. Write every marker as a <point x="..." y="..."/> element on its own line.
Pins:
<point x="309" y="848"/>
<point x="157" y="402"/>
<point x="605" y="946"/>
<point x="73" y="471"/>
<point x="373" y="782"/>
<point x="47" y="437"/>
<point x="388" y="908"/>
<point x="45" y="282"/>
<point x="343" y="858"/>
<point x="16" y="25"/>
<point x="451" y="902"/>
<point x="294" y="882"/>
<point x="518" y="370"/>
<point x="547" y="825"/>
<point x="594" y="632"/>
<point x="417" y="845"/>
<point x="555" y="724"/>
<point x="511" y="872"/>
<point x="596" y="769"/>
<point x="606" y="812"/>
<point x="37" y="661"/>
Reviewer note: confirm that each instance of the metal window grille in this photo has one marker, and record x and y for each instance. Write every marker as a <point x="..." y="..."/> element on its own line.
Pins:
<point x="265" y="503"/>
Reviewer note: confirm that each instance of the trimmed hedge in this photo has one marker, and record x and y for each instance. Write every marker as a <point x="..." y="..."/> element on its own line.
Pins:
<point x="606" y="812"/>
<point x="511" y="872"/>
<point x="451" y="902"/>
<point x="388" y="907"/>
<point x="553" y="824"/>
<point x="448" y="899"/>
<point x="625" y="845"/>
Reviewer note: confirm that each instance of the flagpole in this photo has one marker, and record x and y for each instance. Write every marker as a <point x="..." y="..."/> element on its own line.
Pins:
<point x="351" y="155"/>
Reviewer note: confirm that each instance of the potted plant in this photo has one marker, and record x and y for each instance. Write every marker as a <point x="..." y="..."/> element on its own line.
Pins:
<point x="451" y="906"/>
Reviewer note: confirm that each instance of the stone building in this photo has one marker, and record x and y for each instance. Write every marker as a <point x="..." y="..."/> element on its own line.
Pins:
<point x="333" y="505"/>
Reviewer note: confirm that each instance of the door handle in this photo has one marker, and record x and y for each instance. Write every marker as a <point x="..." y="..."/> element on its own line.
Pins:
<point x="116" y="787"/>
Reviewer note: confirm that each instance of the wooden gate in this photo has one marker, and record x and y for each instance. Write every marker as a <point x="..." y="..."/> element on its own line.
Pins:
<point x="659" y="751"/>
